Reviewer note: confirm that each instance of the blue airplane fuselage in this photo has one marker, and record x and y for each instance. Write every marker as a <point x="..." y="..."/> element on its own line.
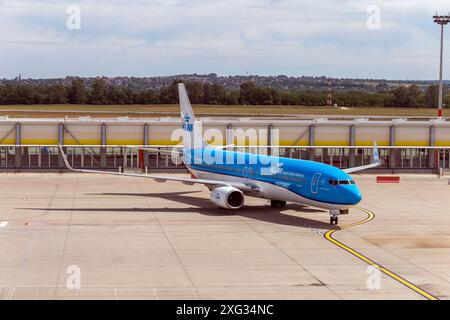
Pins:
<point x="314" y="183"/>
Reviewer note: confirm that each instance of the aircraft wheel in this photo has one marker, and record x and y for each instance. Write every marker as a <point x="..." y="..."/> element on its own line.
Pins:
<point x="277" y="204"/>
<point x="334" y="220"/>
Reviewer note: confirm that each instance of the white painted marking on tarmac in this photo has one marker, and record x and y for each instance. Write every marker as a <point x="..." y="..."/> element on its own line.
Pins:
<point x="23" y="263"/>
<point x="3" y="224"/>
<point x="318" y="232"/>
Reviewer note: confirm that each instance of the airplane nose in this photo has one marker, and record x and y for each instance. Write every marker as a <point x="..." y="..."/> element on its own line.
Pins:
<point x="354" y="196"/>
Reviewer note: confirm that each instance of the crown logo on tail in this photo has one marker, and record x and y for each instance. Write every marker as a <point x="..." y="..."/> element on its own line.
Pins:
<point x="189" y="127"/>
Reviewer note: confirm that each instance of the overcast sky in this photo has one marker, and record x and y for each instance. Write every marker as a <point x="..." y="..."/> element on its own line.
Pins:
<point x="393" y="39"/>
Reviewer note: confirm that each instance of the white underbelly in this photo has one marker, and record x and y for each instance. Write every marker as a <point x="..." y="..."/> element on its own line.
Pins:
<point x="268" y="190"/>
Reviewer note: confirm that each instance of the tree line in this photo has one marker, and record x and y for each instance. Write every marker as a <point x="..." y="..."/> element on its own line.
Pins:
<point x="102" y="93"/>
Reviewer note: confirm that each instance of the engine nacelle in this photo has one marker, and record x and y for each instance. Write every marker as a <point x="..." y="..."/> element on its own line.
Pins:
<point x="228" y="198"/>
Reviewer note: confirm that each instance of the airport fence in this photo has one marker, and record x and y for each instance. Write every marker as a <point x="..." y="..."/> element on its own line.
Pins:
<point x="116" y="158"/>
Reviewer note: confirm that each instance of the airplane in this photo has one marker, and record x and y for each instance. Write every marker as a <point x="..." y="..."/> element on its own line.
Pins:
<point x="231" y="176"/>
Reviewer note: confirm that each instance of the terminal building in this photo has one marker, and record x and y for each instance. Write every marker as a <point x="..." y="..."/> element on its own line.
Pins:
<point x="416" y="145"/>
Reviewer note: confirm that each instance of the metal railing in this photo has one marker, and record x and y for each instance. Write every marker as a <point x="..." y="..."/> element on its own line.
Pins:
<point x="42" y="157"/>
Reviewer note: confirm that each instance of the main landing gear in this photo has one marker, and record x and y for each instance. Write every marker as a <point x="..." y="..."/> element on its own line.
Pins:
<point x="277" y="204"/>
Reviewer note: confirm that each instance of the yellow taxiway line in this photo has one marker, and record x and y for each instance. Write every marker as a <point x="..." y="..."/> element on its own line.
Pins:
<point x="371" y="216"/>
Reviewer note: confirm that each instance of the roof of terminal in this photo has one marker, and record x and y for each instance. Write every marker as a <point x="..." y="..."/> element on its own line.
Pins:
<point x="247" y="121"/>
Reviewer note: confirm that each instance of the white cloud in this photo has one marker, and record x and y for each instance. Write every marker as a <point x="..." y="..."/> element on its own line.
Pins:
<point x="294" y="37"/>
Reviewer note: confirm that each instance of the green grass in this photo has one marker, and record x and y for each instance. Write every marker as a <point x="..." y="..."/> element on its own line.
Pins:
<point x="131" y="110"/>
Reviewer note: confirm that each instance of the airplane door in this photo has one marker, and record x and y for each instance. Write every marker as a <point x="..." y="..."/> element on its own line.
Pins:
<point x="315" y="183"/>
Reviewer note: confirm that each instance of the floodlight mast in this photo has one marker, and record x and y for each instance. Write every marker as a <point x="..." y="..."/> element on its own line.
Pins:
<point x="442" y="21"/>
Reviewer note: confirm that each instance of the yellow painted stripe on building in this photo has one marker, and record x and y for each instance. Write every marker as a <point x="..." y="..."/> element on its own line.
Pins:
<point x="40" y="141"/>
<point x="81" y="141"/>
<point x="164" y="143"/>
<point x="118" y="142"/>
<point x="289" y="143"/>
<point x="365" y="143"/>
<point x="389" y="273"/>
<point x="412" y="143"/>
<point x="337" y="143"/>
<point x="9" y="141"/>
<point x="443" y="143"/>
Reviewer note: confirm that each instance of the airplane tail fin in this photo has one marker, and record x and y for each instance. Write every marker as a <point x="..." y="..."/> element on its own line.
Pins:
<point x="192" y="134"/>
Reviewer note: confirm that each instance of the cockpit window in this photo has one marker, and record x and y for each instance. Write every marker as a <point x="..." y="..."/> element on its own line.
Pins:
<point x="341" y="182"/>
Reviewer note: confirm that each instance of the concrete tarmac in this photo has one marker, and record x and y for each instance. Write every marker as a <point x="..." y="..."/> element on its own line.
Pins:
<point x="74" y="236"/>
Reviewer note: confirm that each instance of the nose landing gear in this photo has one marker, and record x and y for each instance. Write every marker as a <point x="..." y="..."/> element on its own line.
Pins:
<point x="334" y="220"/>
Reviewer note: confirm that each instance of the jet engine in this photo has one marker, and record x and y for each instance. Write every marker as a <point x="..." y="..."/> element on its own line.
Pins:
<point x="227" y="198"/>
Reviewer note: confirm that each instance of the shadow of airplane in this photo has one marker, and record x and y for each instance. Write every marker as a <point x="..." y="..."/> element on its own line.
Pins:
<point x="207" y="208"/>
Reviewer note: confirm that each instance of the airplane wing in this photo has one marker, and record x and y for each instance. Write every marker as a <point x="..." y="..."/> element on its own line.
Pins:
<point x="223" y="147"/>
<point x="376" y="162"/>
<point x="173" y="151"/>
<point x="187" y="181"/>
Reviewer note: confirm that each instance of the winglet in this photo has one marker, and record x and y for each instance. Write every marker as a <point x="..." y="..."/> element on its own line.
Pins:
<point x="376" y="153"/>
<point x="376" y="161"/>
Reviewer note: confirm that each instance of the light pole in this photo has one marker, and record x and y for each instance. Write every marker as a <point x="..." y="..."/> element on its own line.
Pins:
<point x="442" y="21"/>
